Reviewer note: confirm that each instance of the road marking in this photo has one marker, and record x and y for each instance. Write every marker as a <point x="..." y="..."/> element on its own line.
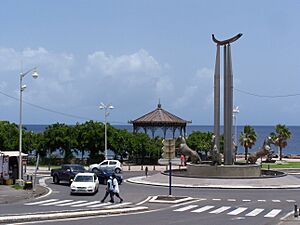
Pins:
<point x="261" y="200"/>
<point x="86" y="204"/>
<point x="276" y="201"/>
<point x="237" y="211"/>
<point x="231" y="200"/>
<point x="254" y="212"/>
<point x="71" y="203"/>
<point x="40" y="202"/>
<point x="117" y="205"/>
<point x="99" y="205"/>
<point x="290" y="200"/>
<point x="273" y="213"/>
<point x="185" y="208"/>
<point x="55" y="203"/>
<point x="203" y="209"/>
<point x="216" y="199"/>
<point x="221" y="209"/>
<point x="146" y="200"/>
<point x="246" y="200"/>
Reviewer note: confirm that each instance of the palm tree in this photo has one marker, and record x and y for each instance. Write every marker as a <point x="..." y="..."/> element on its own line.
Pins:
<point x="280" y="137"/>
<point x="247" y="139"/>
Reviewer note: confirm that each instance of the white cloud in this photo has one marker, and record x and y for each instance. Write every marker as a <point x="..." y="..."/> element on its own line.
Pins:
<point x="139" y="62"/>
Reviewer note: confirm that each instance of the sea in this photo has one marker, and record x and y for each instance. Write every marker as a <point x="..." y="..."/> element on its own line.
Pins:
<point x="292" y="148"/>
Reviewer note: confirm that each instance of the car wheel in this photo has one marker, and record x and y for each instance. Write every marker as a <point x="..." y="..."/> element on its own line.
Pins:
<point x="56" y="179"/>
<point x="117" y="170"/>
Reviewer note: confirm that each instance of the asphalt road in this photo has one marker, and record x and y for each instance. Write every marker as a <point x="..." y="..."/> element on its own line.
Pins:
<point x="208" y="206"/>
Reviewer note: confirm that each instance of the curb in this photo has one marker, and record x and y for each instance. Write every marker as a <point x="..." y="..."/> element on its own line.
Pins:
<point x="63" y="215"/>
<point x="138" y="180"/>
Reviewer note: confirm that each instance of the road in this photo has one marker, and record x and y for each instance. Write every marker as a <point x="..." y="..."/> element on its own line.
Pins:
<point x="206" y="206"/>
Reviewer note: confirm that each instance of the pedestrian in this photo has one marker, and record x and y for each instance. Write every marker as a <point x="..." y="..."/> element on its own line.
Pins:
<point x="109" y="190"/>
<point x="116" y="187"/>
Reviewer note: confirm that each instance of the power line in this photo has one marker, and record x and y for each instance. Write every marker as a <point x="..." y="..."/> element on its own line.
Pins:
<point x="57" y="112"/>
<point x="266" y="96"/>
<point x="46" y="109"/>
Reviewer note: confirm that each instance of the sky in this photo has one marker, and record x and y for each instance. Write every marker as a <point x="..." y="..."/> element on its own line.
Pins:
<point x="134" y="54"/>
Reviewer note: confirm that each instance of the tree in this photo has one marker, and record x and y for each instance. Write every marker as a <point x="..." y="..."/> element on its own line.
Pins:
<point x="200" y="141"/>
<point x="247" y="139"/>
<point x="60" y="136"/>
<point x="280" y="137"/>
<point x="9" y="136"/>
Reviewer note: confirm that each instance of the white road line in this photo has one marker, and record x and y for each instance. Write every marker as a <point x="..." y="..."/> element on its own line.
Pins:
<point x="237" y="211"/>
<point x="86" y="204"/>
<point x="56" y="203"/>
<point x="221" y="209"/>
<point x="203" y="209"/>
<point x="185" y="208"/>
<point x="231" y="200"/>
<point x="290" y="200"/>
<point x="216" y="199"/>
<point x="273" y="213"/>
<point x="40" y="202"/>
<point x="254" y="212"/>
<point x="246" y="200"/>
<point x="99" y="205"/>
<point x="276" y="201"/>
<point x="261" y="200"/>
<point x="71" y="203"/>
<point x="118" y="205"/>
<point x="146" y="200"/>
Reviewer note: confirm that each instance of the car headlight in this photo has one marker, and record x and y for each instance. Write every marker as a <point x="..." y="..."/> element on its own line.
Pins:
<point x="90" y="187"/>
<point x="73" y="186"/>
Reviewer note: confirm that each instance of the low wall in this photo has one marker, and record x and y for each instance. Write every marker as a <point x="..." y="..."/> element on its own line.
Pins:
<point x="204" y="170"/>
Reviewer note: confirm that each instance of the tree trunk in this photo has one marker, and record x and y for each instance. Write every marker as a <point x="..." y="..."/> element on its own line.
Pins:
<point x="280" y="153"/>
<point x="246" y="153"/>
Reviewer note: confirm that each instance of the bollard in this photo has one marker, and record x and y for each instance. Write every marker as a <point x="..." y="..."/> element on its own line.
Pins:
<point x="27" y="177"/>
<point x="142" y="167"/>
<point x="296" y="211"/>
<point x="128" y="167"/>
<point x="268" y="167"/>
<point x="153" y="167"/>
<point x="146" y="171"/>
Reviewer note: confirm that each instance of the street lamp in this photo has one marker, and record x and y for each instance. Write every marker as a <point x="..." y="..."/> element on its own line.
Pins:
<point x="22" y="88"/>
<point x="106" y="113"/>
<point x="235" y="111"/>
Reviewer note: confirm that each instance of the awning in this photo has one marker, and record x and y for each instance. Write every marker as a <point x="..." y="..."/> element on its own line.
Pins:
<point x="13" y="153"/>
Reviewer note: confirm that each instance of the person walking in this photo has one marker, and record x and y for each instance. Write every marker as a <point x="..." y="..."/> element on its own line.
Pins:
<point x="109" y="190"/>
<point x="116" y="187"/>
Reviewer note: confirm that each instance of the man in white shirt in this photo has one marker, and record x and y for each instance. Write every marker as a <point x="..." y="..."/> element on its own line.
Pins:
<point x="116" y="187"/>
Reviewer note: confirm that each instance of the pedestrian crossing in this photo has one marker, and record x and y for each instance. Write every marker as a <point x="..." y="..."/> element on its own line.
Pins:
<point x="77" y="204"/>
<point x="230" y="210"/>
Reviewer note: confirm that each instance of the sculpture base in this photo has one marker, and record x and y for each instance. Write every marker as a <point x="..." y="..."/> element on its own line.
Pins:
<point x="223" y="171"/>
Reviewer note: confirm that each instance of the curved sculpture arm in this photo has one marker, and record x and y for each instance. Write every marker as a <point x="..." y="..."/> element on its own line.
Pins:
<point x="227" y="41"/>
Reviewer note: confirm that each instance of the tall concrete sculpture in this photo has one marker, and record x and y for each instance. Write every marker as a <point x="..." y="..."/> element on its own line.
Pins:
<point x="228" y="98"/>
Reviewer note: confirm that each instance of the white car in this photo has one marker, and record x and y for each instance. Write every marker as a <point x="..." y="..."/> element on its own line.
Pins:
<point x="107" y="165"/>
<point x="85" y="183"/>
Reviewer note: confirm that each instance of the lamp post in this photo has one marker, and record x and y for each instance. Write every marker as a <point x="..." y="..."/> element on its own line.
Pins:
<point x="22" y="88"/>
<point x="106" y="113"/>
<point x="235" y="111"/>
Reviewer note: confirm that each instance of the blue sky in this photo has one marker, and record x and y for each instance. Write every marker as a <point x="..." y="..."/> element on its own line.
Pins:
<point x="133" y="53"/>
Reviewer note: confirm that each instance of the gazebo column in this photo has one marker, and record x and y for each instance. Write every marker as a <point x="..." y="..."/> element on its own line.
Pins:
<point x="153" y="129"/>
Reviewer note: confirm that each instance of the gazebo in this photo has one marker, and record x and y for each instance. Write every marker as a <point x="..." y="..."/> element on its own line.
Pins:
<point x="160" y="119"/>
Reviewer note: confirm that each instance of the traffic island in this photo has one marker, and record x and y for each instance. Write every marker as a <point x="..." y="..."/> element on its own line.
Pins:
<point x="169" y="199"/>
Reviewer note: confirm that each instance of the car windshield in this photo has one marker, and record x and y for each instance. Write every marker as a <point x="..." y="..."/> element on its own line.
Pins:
<point x="77" y="168"/>
<point x="84" y="179"/>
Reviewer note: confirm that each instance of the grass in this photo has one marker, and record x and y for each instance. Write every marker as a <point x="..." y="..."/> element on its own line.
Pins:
<point x="281" y="166"/>
<point x="17" y="187"/>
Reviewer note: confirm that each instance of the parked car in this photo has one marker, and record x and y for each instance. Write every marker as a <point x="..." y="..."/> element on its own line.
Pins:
<point x="107" y="165"/>
<point x="66" y="172"/>
<point x="85" y="183"/>
<point x="103" y="176"/>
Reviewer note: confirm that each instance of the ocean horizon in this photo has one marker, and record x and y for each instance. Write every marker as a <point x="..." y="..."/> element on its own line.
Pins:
<point x="261" y="131"/>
